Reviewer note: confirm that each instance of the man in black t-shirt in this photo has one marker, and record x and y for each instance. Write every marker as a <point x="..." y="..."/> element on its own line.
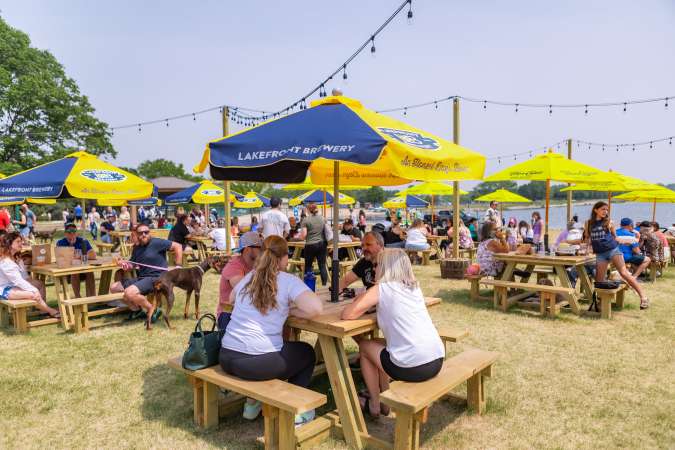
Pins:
<point x="348" y="229"/>
<point x="180" y="231"/>
<point x="150" y="254"/>
<point x="364" y="269"/>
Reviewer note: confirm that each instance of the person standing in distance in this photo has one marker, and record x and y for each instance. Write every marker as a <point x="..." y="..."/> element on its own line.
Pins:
<point x="274" y="222"/>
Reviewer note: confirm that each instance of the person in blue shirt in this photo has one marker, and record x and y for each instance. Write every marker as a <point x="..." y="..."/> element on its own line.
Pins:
<point x="71" y="239"/>
<point x="78" y="214"/>
<point x="631" y="247"/>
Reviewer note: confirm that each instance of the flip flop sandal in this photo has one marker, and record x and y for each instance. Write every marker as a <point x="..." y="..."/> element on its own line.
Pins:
<point x="365" y="407"/>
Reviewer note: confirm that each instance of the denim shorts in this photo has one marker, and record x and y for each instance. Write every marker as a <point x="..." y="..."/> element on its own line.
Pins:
<point x="608" y="255"/>
<point x="4" y="295"/>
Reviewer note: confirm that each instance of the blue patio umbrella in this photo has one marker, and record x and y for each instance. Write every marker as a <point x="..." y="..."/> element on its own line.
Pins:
<point x="341" y="142"/>
<point x="205" y="192"/>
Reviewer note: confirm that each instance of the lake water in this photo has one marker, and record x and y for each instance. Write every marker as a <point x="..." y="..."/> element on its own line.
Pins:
<point x="665" y="213"/>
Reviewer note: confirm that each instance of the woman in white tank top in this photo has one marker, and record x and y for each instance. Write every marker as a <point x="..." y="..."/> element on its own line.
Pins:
<point x="411" y="349"/>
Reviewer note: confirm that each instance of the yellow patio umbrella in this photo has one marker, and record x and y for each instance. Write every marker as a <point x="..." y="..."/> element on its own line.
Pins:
<point x="549" y="167"/>
<point x="251" y="200"/>
<point x="431" y="188"/>
<point x="662" y="195"/>
<point x="503" y="196"/>
<point x="613" y="182"/>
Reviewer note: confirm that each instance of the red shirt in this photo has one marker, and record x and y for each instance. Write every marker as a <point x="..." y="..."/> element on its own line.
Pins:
<point x="235" y="268"/>
<point x="4" y="220"/>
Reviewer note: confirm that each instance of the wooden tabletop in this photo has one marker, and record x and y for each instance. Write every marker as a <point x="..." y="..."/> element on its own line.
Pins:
<point x="329" y="323"/>
<point x="198" y="238"/>
<point x="96" y="265"/>
<point x="549" y="260"/>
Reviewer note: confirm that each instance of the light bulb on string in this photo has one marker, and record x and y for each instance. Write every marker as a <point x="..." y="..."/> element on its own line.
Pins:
<point x="139" y="127"/>
<point x="410" y="13"/>
<point x="405" y="111"/>
<point x="670" y="141"/>
<point x="516" y="107"/>
<point x="651" y="144"/>
<point x="435" y="105"/>
<point x="666" y="104"/>
<point x="586" y="110"/>
<point x="167" y="122"/>
<point x="625" y="106"/>
<point x="344" y="72"/>
<point x="633" y="147"/>
<point x="603" y="147"/>
<point x="194" y="117"/>
<point x="617" y="148"/>
<point x="484" y="105"/>
<point x="550" y="109"/>
<point x="372" y="46"/>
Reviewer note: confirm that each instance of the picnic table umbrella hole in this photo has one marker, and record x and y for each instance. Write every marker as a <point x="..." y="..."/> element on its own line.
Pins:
<point x="342" y="143"/>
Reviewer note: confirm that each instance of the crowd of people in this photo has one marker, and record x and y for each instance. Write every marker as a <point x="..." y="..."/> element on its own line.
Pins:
<point x="257" y="295"/>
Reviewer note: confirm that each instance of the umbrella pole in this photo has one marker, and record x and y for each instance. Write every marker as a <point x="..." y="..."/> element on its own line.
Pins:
<point x="226" y="184"/>
<point x="455" y="184"/>
<point x="654" y="211"/>
<point x="335" y="268"/>
<point x="548" y="193"/>
<point x="609" y="203"/>
<point x="324" y="203"/>
<point x="432" y="211"/>
<point x="84" y="213"/>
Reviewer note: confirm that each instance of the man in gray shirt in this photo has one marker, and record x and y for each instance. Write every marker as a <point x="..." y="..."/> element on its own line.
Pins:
<point x="315" y="242"/>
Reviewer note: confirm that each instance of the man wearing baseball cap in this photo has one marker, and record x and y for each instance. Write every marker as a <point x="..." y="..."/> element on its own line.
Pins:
<point x="238" y="266"/>
<point x="631" y="247"/>
<point x="71" y="239"/>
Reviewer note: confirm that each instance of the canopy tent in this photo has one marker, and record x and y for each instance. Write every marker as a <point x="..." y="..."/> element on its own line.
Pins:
<point x="203" y="193"/>
<point x="404" y="202"/>
<point x="341" y="142"/>
<point x="503" y="196"/>
<point x="318" y="196"/>
<point x="79" y="175"/>
<point x="614" y="182"/>
<point x="547" y="167"/>
<point x="654" y="196"/>
<point x="431" y="188"/>
<point x="251" y="200"/>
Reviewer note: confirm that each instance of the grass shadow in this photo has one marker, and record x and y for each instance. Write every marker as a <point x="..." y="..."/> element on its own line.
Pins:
<point x="462" y="296"/>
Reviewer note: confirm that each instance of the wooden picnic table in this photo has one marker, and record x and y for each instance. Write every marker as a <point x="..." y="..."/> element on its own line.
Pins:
<point x="558" y="264"/>
<point x="61" y="277"/>
<point x="203" y="243"/>
<point x="331" y="331"/>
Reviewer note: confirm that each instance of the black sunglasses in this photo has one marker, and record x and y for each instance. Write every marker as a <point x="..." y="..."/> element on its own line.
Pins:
<point x="144" y="232"/>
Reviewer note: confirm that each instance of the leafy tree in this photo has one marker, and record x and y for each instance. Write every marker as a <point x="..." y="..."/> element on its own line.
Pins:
<point x="43" y="115"/>
<point x="164" y="168"/>
<point x="243" y="187"/>
<point x="374" y="195"/>
<point x="130" y="169"/>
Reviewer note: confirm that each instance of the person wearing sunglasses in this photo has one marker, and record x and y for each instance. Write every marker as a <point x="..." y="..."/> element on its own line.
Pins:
<point x="81" y="246"/>
<point x="149" y="254"/>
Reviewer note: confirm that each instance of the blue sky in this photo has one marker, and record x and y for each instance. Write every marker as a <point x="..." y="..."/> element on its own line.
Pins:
<point x="140" y="61"/>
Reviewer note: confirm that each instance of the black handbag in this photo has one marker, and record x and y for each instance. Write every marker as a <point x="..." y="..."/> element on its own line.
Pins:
<point x="609" y="284"/>
<point x="204" y="346"/>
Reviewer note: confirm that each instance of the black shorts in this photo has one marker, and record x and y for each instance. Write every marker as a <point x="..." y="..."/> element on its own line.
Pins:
<point x="410" y="374"/>
<point x="144" y="285"/>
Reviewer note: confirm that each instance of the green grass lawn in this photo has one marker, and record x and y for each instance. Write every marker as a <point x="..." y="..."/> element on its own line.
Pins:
<point x="566" y="383"/>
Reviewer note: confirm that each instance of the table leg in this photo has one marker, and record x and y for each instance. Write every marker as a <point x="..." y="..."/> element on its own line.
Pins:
<point x="104" y="282"/>
<point x="587" y="286"/>
<point x="508" y="271"/>
<point x="344" y="391"/>
<point x="565" y="282"/>
<point x="351" y="251"/>
<point x="61" y="284"/>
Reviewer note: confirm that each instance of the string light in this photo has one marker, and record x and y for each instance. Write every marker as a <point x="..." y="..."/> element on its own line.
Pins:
<point x="410" y="13"/>
<point x="344" y="72"/>
<point x="372" y="47"/>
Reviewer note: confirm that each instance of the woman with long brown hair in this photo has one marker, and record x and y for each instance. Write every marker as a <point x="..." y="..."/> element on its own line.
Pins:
<point x="253" y="347"/>
<point x="13" y="285"/>
<point x="599" y="231"/>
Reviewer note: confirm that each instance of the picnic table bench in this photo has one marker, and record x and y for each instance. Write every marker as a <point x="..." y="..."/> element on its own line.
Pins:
<point x="609" y="296"/>
<point x="281" y="402"/>
<point x="17" y="311"/>
<point x="547" y="295"/>
<point x="78" y="309"/>
<point x="410" y="401"/>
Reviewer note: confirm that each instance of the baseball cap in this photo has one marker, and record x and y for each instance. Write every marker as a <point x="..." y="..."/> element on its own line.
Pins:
<point x="70" y="226"/>
<point x="645" y="224"/>
<point x="249" y="239"/>
<point x="626" y="222"/>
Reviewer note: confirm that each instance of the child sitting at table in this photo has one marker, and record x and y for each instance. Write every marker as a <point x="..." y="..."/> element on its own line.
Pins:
<point x="13" y="284"/>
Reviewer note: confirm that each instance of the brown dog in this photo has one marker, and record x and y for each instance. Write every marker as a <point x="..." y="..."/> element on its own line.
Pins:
<point x="189" y="279"/>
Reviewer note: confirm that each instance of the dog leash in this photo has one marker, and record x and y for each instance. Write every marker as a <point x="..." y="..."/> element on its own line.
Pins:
<point x="166" y="269"/>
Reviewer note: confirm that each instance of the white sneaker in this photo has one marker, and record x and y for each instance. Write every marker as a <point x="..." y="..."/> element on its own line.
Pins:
<point x="252" y="410"/>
